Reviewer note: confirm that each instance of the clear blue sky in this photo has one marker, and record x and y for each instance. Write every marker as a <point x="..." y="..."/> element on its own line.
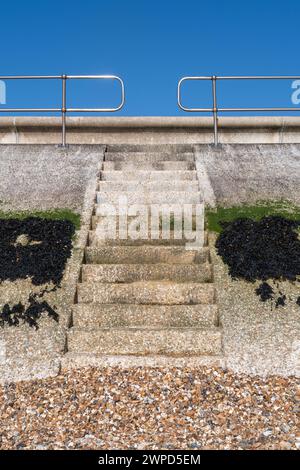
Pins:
<point x="150" y="44"/>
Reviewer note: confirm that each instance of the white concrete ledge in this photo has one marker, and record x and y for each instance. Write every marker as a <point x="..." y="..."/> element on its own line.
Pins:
<point x="150" y="130"/>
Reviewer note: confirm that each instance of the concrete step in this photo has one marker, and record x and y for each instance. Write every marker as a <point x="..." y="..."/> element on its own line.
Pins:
<point x="76" y="360"/>
<point x="111" y="215"/>
<point x="145" y="254"/>
<point x="135" y="341"/>
<point x="124" y="273"/>
<point x="148" y="165"/>
<point x="146" y="197"/>
<point x="90" y="316"/>
<point x="147" y="175"/>
<point x="155" y="211"/>
<point x="152" y="239"/>
<point x="146" y="292"/>
<point x="137" y="185"/>
<point x="143" y="157"/>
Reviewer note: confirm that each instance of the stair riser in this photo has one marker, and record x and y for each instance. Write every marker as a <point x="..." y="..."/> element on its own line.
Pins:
<point x="142" y="157"/>
<point x="149" y="166"/>
<point x="131" y="273"/>
<point x="147" y="175"/>
<point x="144" y="255"/>
<point x="126" y="186"/>
<point x="112" y="220"/>
<point x="145" y="342"/>
<point x="144" y="316"/>
<point x="94" y="240"/>
<point x="145" y="197"/>
<point x="150" y="293"/>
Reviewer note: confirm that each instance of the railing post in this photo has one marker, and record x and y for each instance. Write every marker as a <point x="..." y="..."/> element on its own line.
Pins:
<point x="63" y="110"/>
<point x="215" y="109"/>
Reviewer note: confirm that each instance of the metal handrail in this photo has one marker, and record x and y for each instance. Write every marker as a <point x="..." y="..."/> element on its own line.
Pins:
<point x="64" y="109"/>
<point x="215" y="109"/>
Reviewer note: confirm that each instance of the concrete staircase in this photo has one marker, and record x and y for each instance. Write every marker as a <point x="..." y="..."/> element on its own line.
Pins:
<point x="147" y="301"/>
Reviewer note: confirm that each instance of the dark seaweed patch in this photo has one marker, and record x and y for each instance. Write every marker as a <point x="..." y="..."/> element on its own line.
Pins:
<point x="39" y="249"/>
<point x="36" y="248"/>
<point x="265" y="291"/>
<point x="30" y="315"/>
<point x="261" y="250"/>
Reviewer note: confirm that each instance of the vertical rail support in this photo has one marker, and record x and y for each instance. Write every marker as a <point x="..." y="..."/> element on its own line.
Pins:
<point x="215" y="109"/>
<point x="63" y="110"/>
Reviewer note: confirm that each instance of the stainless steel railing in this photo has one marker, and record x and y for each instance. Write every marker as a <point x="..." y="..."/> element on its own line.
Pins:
<point x="64" y="109"/>
<point x="215" y="110"/>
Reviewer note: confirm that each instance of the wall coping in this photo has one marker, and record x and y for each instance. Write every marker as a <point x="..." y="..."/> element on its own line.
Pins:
<point x="263" y="122"/>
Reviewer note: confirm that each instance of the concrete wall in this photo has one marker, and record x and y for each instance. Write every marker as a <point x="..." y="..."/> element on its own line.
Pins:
<point x="42" y="177"/>
<point x="236" y="174"/>
<point x="149" y="130"/>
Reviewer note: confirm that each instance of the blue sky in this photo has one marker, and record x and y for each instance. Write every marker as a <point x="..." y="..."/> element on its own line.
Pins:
<point x="150" y="44"/>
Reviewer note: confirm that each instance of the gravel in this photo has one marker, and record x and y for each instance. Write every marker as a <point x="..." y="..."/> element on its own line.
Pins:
<point x="150" y="408"/>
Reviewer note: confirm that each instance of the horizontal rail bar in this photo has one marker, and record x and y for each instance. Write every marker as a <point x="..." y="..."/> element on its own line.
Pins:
<point x="64" y="109"/>
<point x="30" y="110"/>
<point x="215" y="109"/>
<point x="57" y="77"/>
<point x="243" y="77"/>
<point x="263" y="77"/>
<point x="225" y="110"/>
<point x="30" y="77"/>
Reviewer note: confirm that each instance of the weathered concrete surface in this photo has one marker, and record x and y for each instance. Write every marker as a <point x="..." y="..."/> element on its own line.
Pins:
<point x="237" y="174"/>
<point x="42" y="177"/>
<point x="143" y="272"/>
<point x="257" y="339"/>
<point x="144" y="316"/>
<point x="143" y="342"/>
<point x="145" y="254"/>
<point x="149" y="130"/>
<point x="26" y="353"/>
<point x="146" y="292"/>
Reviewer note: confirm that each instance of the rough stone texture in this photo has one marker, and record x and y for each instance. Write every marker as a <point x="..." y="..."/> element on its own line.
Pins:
<point x="23" y="368"/>
<point x="134" y="164"/>
<point x="257" y="339"/>
<point x="42" y="177"/>
<point x="142" y="272"/>
<point x="152" y="130"/>
<point x="151" y="408"/>
<point x="250" y="173"/>
<point x="149" y="197"/>
<point x="147" y="292"/>
<point x="73" y="360"/>
<point x="95" y="241"/>
<point x="48" y="341"/>
<point x="148" y="175"/>
<point x="133" y="315"/>
<point x="26" y="353"/>
<point x="143" y="155"/>
<point x="143" y="342"/>
<point x="136" y="185"/>
<point x="145" y="254"/>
